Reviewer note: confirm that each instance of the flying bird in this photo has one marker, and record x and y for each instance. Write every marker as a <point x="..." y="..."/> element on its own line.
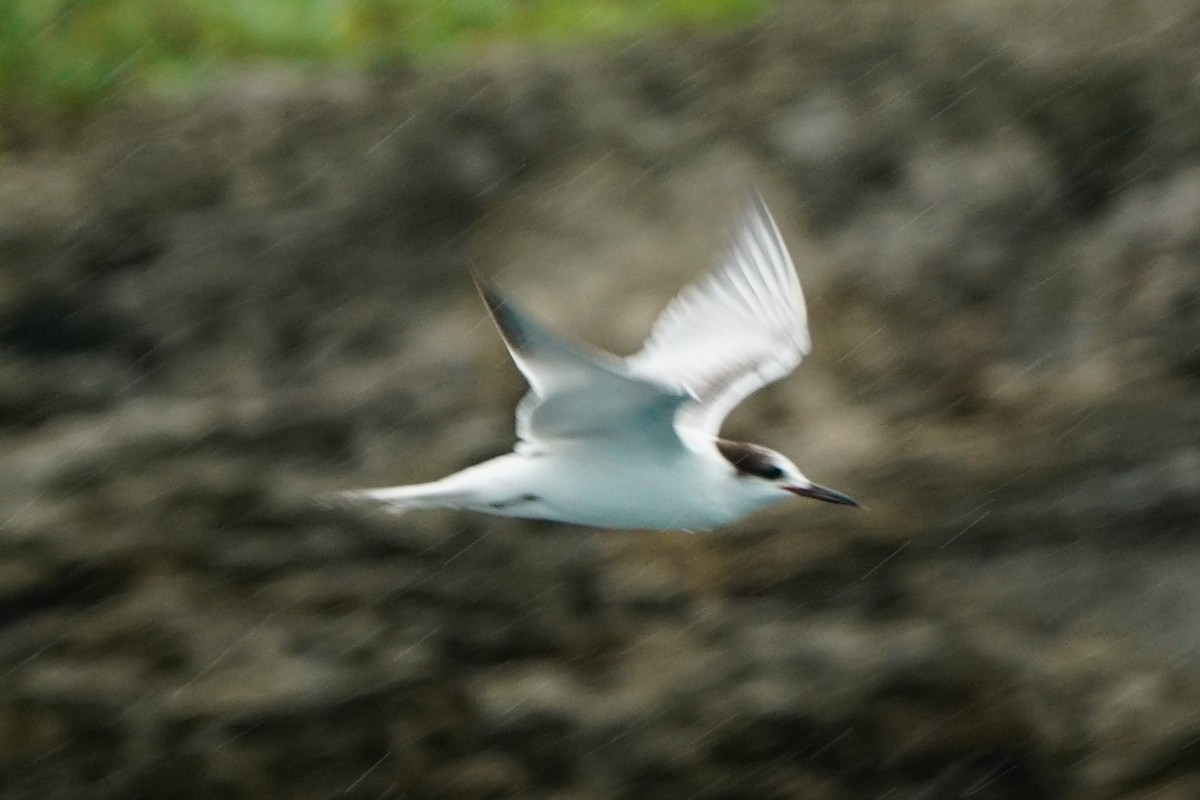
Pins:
<point x="633" y="442"/>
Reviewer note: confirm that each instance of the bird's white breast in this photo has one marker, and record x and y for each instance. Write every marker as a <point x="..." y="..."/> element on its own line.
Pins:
<point x="611" y="485"/>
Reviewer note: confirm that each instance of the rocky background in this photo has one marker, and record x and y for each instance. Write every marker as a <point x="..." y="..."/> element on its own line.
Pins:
<point x="213" y="308"/>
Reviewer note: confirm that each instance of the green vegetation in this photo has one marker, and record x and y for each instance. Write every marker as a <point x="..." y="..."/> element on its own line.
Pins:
<point x="59" y="59"/>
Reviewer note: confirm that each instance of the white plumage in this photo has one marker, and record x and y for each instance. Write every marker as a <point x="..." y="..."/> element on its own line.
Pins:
<point x="632" y="443"/>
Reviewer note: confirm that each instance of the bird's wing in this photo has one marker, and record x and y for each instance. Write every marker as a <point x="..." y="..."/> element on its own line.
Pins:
<point x="577" y="391"/>
<point x="733" y="332"/>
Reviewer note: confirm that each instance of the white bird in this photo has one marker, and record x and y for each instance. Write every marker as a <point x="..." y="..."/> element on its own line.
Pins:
<point x="632" y="443"/>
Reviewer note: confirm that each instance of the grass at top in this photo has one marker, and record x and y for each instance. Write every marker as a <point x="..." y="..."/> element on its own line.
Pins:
<point x="61" y="59"/>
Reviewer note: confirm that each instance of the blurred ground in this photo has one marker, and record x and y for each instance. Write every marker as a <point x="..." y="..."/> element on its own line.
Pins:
<point x="211" y="309"/>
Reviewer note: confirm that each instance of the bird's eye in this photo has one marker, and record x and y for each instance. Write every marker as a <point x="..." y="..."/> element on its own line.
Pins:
<point x="772" y="473"/>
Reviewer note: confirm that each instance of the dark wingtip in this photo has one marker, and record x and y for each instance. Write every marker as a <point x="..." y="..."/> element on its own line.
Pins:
<point x="500" y="309"/>
<point x="491" y="297"/>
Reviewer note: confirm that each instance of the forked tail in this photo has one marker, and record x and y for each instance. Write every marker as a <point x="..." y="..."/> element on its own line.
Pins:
<point x="399" y="499"/>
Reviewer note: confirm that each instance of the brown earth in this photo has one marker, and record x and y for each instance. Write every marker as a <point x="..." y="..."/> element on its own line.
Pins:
<point x="212" y="308"/>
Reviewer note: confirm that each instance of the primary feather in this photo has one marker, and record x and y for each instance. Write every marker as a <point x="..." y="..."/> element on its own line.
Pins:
<point x="730" y="334"/>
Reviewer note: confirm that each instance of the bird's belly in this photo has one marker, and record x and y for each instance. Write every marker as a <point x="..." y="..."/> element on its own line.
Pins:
<point x="612" y="493"/>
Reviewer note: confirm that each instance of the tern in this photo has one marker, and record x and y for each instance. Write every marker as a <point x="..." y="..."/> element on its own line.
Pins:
<point x="633" y="442"/>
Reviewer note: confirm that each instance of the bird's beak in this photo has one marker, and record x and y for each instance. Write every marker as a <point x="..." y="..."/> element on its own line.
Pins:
<point x="821" y="493"/>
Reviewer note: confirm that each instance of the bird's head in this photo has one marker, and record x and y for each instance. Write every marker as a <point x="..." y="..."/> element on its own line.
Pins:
<point x="773" y="472"/>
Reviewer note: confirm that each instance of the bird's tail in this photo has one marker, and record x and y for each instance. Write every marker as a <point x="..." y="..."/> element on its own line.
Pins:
<point x="399" y="499"/>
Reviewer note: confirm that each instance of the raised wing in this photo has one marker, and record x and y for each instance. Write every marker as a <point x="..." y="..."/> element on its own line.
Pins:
<point x="727" y="336"/>
<point x="577" y="391"/>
